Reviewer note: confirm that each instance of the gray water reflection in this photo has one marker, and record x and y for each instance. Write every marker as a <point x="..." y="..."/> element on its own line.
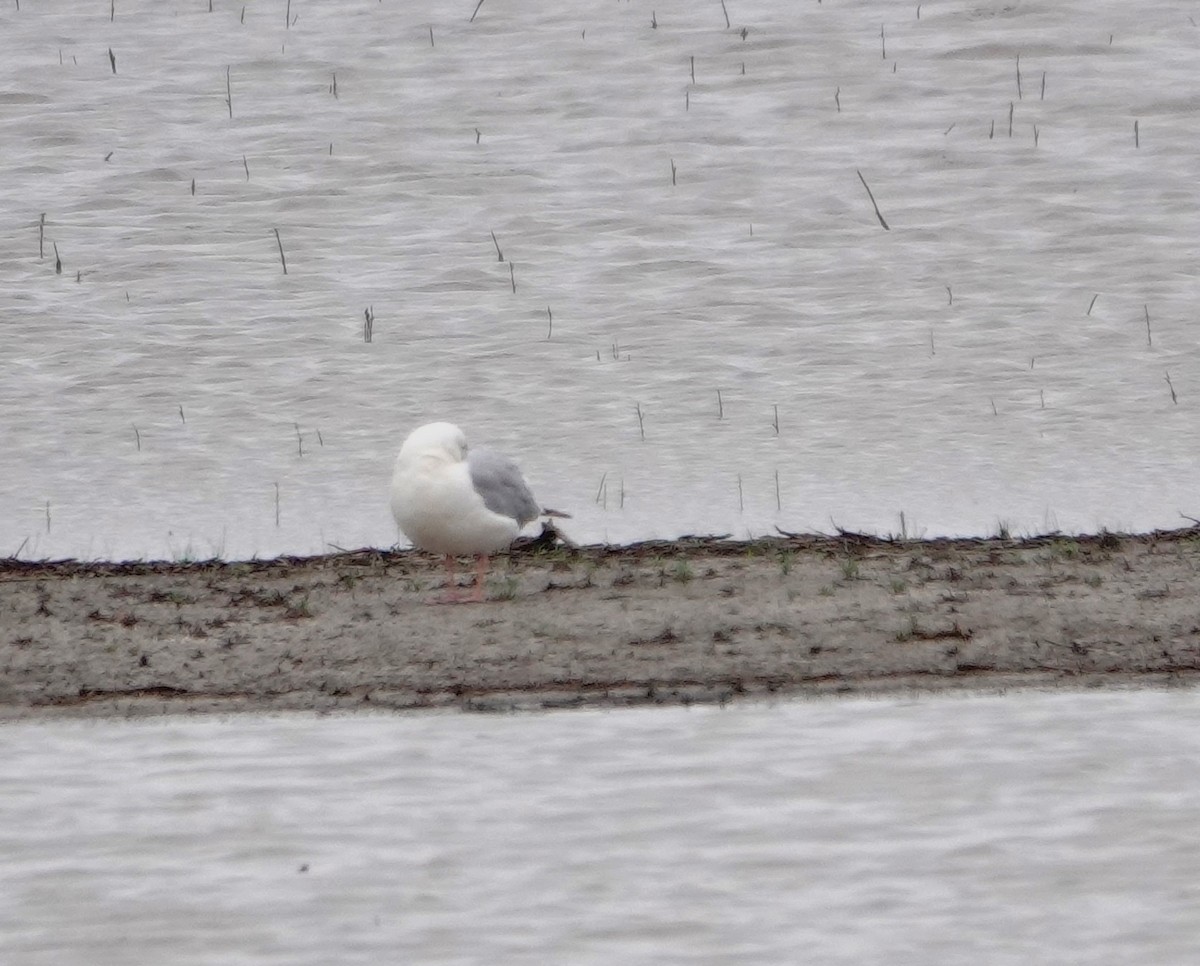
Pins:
<point x="1055" y="828"/>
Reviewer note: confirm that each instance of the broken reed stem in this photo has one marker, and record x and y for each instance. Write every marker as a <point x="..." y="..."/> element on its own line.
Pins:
<point x="878" y="214"/>
<point x="778" y="500"/>
<point x="287" y="16"/>
<point x="246" y="166"/>
<point x="775" y="420"/>
<point x="1019" y="95"/>
<point x="137" y="437"/>
<point x="672" y="171"/>
<point x="741" y="502"/>
<point x="601" y="492"/>
<point x="1136" y="140"/>
<point x="726" y="12"/>
<point x="475" y="11"/>
<point x="229" y="95"/>
<point x="57" y="260"/>
<point x="641" y="424"/>
<point x="549" y="323"/>
<point x="181" y="416"/>
<point x="499" y="254"/>
<point x="42" y="237"/>
<point x="279" y="242"/>
<point x="112" y="60"/>
<point x="368" y="323"/>
<point x="1092" y="302"/>
<point x="1149" y="340"/>
<point x="720" y="406"/>
<point x="882" y="42"/>
<point x="837" y="99"/>
<point x="276" y="504"/>
<point x="512" y="277"/>
<point x="1043" y="96"/>
<point x="299" y="441"/>
<point x="1174" y="399"/>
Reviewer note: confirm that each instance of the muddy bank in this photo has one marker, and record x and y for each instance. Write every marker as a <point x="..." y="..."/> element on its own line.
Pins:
<point x="690" y="620"/>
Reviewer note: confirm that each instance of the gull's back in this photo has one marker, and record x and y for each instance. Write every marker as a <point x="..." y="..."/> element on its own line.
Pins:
<point x="499" y="482"/>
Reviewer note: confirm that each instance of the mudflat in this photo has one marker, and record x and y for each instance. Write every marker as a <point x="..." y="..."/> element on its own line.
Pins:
<point x="692" y="620"/>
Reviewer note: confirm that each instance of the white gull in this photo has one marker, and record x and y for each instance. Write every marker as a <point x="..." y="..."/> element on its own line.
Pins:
<point x="457" y="503"/>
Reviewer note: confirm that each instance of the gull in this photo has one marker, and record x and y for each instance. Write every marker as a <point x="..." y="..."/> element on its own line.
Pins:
<point x="456" y="502"/>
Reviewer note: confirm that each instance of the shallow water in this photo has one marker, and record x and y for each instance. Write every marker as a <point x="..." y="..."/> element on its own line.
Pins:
<point x="1002" y="829"/>
<point x="987" y="361"/>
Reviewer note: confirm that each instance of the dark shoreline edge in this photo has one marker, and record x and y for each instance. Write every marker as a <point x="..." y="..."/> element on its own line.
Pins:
<point x="843" y="541"/>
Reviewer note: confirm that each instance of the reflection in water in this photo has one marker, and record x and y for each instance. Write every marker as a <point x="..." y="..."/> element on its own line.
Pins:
<point x="899" y="830"/>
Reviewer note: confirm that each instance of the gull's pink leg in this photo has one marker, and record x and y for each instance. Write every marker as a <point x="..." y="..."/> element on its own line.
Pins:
<point x="481" y="569"/>
<point x="451" y="594"/>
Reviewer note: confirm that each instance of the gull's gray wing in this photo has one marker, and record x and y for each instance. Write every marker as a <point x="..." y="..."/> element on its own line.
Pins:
<point x="498" y="480"/>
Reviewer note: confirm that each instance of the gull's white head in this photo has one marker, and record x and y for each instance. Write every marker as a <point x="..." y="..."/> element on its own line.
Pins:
<point x="443" y="441"/>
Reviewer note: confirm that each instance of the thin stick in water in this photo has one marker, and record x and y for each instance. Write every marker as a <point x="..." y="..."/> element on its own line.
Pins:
<point x="1146" y="309"/>
<point x="279" y="242"/>
<point x="726" y="12"/>
<point x="549" y="323"/>
<point x="872" y="197"/>
<point x="1092" y="302"/>
<point x="475" y="11"/>
<point x="499" y="254"/>
<point x="42" y="237"/>
<point x="229" y="94"/>
<point x="1174" y="399"/>
<point x="276" y="504"/>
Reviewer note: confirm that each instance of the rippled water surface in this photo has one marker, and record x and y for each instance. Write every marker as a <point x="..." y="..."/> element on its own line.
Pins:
<point x="1008" y="829"/>
<point x="680" y="214"/>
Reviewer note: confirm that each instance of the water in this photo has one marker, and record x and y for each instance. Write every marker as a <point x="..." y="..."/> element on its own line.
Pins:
<point x="1002" y="829"/>
<point x="173" y="393"/>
